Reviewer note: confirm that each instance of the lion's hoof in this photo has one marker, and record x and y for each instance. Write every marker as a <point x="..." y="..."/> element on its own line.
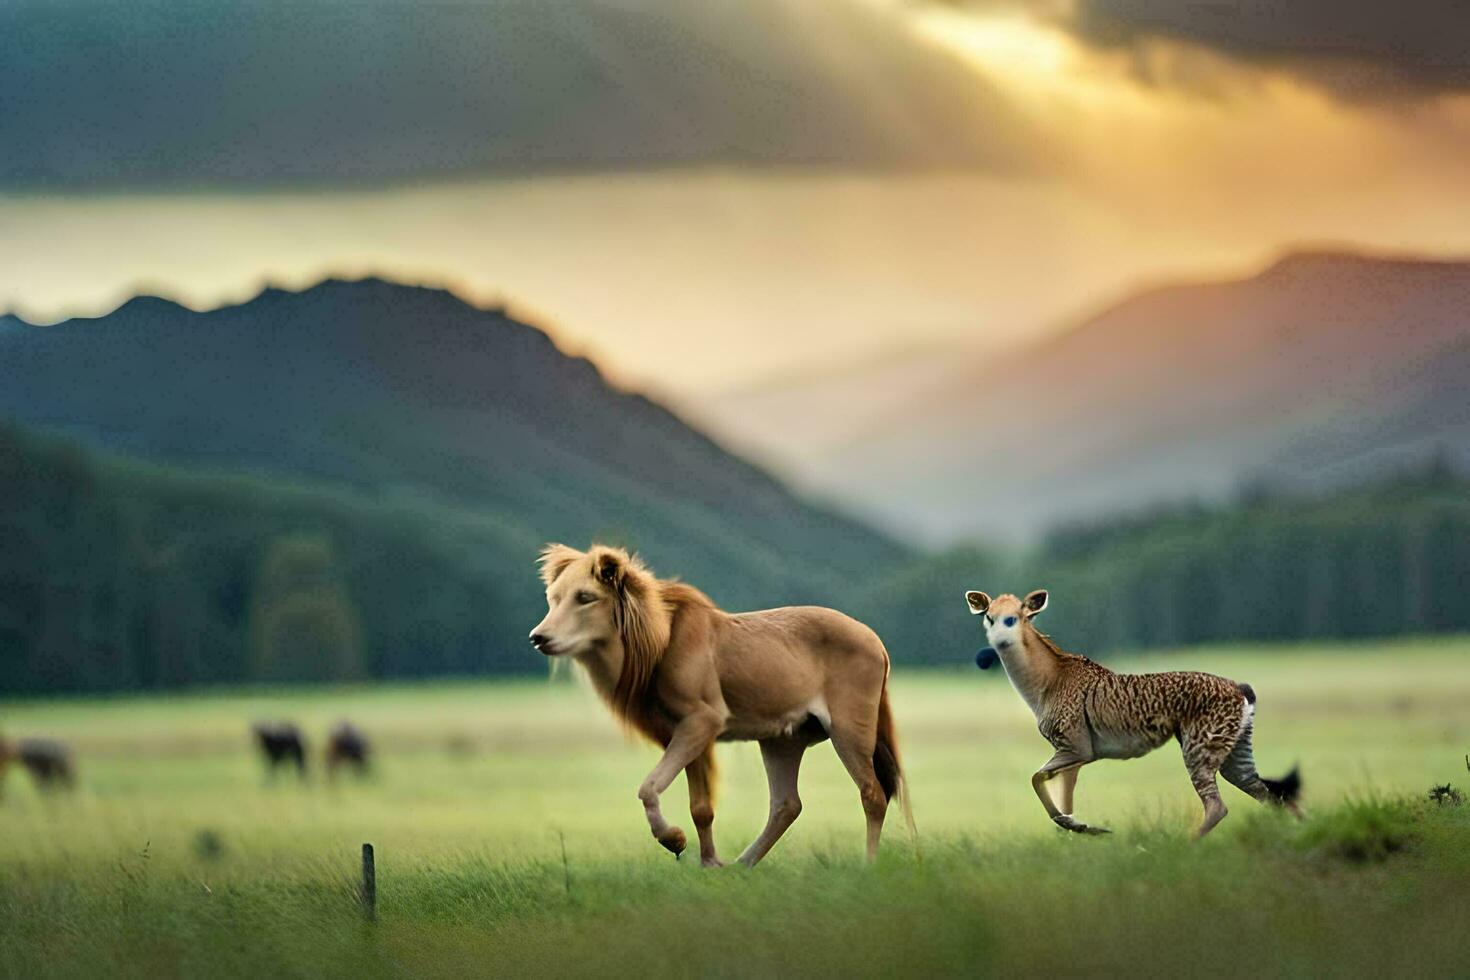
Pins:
<point x="673" y="839"/>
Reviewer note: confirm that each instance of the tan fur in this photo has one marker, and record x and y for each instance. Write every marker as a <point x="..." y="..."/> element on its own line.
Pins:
<point x="1088" y="712"/>
<point x="682" y="672"/>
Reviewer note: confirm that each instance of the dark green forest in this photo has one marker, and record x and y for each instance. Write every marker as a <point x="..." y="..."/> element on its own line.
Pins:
<point x="117" y="574"/>
<point x="1384" y="560"/>
<point x="120" y="575"/>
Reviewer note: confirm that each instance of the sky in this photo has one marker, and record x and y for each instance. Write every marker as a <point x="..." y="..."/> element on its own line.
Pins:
<point x="705" y="195"/>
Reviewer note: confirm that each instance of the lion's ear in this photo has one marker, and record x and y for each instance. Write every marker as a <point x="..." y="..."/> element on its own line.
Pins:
<point x="609" y="569"/>
<point x="554" y="559"/>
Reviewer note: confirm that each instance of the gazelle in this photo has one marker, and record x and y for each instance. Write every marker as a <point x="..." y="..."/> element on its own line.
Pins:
<point x="1088" y="712"/>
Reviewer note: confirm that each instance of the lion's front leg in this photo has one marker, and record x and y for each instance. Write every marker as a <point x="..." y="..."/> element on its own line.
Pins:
<point x="692" y="737"/>
<point x="701" y="775"/>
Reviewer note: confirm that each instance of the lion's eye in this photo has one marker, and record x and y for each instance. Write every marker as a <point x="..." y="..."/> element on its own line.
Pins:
<point x="585" y="597"/>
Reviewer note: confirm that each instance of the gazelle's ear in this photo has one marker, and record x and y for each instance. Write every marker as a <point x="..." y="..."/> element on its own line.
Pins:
<point x="979" y="602"/>
<point x="1034" y="603"/>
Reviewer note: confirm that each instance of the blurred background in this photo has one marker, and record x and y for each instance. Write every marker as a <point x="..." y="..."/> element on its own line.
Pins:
<point x="323" y="317"/>
<point x="318" y="319"/>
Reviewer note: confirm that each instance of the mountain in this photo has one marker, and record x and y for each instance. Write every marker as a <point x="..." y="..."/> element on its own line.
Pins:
<point x="387" y="389"/>
<point x="782" y="420"/>
<point x="1326" y="367"/>
<point x="1420" y="422"/>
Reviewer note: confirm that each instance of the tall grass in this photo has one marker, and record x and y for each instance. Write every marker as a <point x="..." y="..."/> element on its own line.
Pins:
<point x="510" y="842"/>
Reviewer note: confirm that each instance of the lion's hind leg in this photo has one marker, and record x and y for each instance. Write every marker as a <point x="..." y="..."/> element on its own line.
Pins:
<point x="782" y="757"/>
<point x="855" y="743"/>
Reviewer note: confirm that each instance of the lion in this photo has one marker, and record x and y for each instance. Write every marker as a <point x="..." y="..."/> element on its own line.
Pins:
<point x="684" y="673"/>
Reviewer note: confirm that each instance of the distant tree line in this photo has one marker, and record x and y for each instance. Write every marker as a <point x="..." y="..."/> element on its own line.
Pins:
<point x="119" y="575"/>
<point x="116" y="575"/>
<point x="1380" y="561"/>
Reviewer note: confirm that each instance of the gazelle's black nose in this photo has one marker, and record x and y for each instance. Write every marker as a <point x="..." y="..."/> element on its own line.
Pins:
<point x="539" y="641"/>
<point x="986" y="659"/>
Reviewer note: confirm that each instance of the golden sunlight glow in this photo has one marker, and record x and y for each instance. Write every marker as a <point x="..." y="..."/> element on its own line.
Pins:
<point x="1217" y="139"/>
<point x="999" y="44"/>
<point x="717" y="277"/>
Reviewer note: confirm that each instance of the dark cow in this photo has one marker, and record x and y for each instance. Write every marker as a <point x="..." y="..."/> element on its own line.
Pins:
<point x="48" y="761"/>
<point x="347" y="746"/>
<point x="282" y="745"/>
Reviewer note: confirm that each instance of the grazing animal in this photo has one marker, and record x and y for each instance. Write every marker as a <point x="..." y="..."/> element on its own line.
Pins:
<point x="49" y="762"/>
<point x="347" y="746"/>
<point x="281" y="744"/>
<point x="1088" y="712"/>
<point x="682" y="672"/>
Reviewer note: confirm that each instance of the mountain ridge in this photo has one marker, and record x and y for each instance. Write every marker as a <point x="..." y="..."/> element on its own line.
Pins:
<point x="370" y="383"/>
<point x="1181" y="391"/>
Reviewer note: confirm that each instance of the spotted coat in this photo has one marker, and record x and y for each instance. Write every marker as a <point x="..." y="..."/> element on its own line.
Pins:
<point x="1088" y="712"/>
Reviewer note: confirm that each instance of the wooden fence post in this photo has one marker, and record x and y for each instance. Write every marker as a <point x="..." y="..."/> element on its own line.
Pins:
<point x="369" y="893"/>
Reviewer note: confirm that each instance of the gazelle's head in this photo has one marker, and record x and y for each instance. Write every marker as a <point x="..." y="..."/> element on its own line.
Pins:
<point x="1005" y="617"/>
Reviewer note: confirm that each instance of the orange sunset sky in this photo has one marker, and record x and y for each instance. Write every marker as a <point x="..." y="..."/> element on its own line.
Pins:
<point x="1076" y="154"/>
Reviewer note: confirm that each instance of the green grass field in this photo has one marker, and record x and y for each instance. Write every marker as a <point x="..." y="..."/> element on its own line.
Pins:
<point x="481" y="786"/>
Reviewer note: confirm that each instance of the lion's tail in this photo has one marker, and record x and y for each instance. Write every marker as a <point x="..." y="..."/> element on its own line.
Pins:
<point x="886" y="761"/>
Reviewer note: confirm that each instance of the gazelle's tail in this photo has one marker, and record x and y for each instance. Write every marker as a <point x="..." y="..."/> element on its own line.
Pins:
<point x="1239" y="768"/>
<point x="1286" y="789"/>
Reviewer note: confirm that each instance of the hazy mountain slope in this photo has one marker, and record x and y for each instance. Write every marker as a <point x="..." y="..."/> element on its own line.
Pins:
<point x="1418" y="419"/>
<point x="1175" y="393"/>
<point x="380" y="386"/>
<point x="789" y="419"/>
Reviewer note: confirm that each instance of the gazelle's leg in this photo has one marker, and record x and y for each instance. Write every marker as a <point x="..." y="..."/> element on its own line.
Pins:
<point x="1038" y="785"/>
<point x="1063" y="765"/>
<point x="1239" y="770"/>
<point x="783" y="761"/>
<point x="1066" y="784"/>
<point x="692" y="736"/>
<point x="1066" y="787"/>
<point x="700" y="775"/>
<point x="1209" y="795"/>
<point x="1203" y="754"/>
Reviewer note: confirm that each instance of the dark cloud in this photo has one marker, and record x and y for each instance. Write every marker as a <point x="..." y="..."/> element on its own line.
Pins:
<point x="1361" y="49"/>
<point x="103" y="94"/>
